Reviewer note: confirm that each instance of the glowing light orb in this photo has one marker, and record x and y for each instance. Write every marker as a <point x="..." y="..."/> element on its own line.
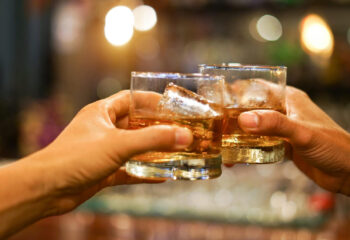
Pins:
<point x="119" y="25"/>
<point x="316" y="36"/>
<point x="269" y="28"/>
<point x="145" y="18"/>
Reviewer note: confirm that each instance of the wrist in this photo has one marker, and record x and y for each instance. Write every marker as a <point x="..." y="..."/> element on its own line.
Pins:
<point x="25" y="198"/>
<point x="42" y="181"/>
<point x="37" y="187"/>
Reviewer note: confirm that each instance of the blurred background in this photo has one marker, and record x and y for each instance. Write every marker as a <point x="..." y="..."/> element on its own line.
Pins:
<point x="57" y="56"/>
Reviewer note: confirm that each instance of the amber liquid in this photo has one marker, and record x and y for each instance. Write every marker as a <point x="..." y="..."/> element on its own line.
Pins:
<point x="235" y="138"/>
<point x="206" y="138"/>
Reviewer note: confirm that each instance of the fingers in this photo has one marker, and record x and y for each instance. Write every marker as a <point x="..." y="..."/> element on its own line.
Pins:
<point x="118" y="104"/>
<point x="273" y="123"/>
<point x="267" y="123"/>
<point x="121" y="101"/>
<point x="145" y="100"/>
<point x="153" y="138"/>
<point x="122" y="122"/>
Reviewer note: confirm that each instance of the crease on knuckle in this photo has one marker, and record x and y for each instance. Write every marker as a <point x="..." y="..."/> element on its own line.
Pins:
<point x="276" y="123"/>
<point x="298" y="92"/>
<point x="95" y="106"/>
<point x="124" y="92"/>
<point x="303" y="94"/>
<point x="85" y="109"/>
<point x="303" y="137"/>
<point x="101" y="105"/>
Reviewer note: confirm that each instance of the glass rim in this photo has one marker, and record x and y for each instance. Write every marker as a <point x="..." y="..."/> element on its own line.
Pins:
<point x="243" y="66"/>
<point x="175" y="75"/>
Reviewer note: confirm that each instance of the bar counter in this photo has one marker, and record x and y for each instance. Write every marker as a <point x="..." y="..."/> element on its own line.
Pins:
<point x="88" y="226"/>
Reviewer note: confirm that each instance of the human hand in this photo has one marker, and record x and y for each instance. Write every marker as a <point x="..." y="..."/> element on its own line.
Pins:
<point x="320" y="147"/>
<point x="88" y="154"/>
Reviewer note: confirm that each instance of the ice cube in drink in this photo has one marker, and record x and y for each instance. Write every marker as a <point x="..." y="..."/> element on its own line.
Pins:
<point x="180" y="102"/>
<point x="182" y="107"/>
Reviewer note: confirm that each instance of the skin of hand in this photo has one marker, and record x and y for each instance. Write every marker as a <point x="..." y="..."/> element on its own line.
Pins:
<point x="85" y="157"/>
<point x="319" y="147"/>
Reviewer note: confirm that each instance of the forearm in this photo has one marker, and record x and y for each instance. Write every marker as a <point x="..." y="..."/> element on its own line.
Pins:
<point x="24" y="197"/>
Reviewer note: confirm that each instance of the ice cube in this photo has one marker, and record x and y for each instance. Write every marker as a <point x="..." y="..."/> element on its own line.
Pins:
<point x="250" y="93"/>
<point x="219" y="92"/>
<point x="179" y="101"/>
<point x="229" y="96"/>
<point x="255" y="94"/>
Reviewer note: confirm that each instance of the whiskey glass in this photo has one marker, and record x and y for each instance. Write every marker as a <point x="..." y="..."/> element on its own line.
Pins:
<point x="193" y="101"/>
<point x="250" y="87"/>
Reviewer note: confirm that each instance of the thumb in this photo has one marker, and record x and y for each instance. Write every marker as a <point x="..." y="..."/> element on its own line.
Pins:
<point x="154" y="138"/>
<point x="273" y="123"/>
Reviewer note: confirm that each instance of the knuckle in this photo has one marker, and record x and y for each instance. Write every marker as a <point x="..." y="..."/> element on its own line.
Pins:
<point x="295" y="92"/>
<point x="277" y="121"/>
<point x="100" y="105"/>
<point x="124" y="92"/>
<point x="303" y="93"/>
<point x="121" y="94"/>
<point x="303" y="136"/>
<point x="85" y="109"/>
<point x="270" y="120"/>
<point x="92" y="107"/>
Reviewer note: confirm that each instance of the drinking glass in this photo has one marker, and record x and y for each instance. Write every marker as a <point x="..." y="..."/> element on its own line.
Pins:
<point x="250" y="87"/>
<point x="193" y="101"/>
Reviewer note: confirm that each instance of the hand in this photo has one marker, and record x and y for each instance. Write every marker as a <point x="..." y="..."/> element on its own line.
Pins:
<point x="320" y="148"/>
<point x="85" y="158"/>
<point x="88" y="154"/>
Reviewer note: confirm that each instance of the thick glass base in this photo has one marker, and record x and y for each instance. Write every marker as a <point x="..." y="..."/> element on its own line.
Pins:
<point x="258" y="155"/>
<point x="193" y="169"/>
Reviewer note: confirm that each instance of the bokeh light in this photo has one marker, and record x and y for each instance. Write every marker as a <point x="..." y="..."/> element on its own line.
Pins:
<point x="145" y="18"/>
<point x="288" y="211"/>
<point x="316" y="36"/>
<point x="278" y="199"/>
<point x="67" y="28"/>
<point x="253" y="30"/>
<point x="269" y="28"/>
<point x="119" y="24"/>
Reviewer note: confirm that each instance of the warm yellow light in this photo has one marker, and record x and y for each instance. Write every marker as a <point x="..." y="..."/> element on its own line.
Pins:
<point x="145" y="18"/>
<point x="316" y="36"/>
<point x="119" y="24"/>
<point x="269" y="28"/>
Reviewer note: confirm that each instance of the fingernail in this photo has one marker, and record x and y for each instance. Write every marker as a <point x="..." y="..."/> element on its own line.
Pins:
<point x="183" y="138"/>
<point x="249" y="120"/>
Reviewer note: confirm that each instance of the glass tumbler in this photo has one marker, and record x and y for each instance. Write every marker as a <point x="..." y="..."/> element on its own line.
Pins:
<point x="250" y="87"/>
<point x="193" y="101"/>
